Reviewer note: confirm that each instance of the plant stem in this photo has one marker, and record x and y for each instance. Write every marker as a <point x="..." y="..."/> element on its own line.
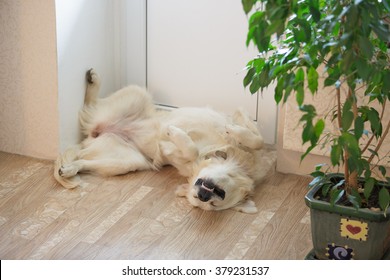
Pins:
<point x="372" y="136"/>
<point x="353" y="177"/>
<point x="346" y="155"/>
<point x="338" y="107"/>
<point x="378" y="146"/>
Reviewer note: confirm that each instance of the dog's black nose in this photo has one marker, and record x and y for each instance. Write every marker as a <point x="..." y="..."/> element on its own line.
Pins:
<point x="204" y="195"/>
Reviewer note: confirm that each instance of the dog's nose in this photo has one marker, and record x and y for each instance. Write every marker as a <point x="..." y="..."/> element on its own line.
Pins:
<point x="204" y="195"/>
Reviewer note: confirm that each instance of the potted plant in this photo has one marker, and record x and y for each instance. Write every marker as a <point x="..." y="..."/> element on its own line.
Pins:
<point x="305" y="46"/>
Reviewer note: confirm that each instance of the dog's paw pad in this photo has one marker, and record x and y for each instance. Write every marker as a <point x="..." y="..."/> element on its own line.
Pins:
<point x="92" y="77"/>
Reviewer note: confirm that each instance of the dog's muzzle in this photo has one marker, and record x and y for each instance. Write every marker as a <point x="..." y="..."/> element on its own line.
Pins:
<point x="207" y="189"/>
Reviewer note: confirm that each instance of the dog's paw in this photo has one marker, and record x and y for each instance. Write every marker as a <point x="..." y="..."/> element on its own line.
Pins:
<point x="247" y="206"/>
<point x="173" y="131"/>
<point x="68" y="170"/>
<point x="92" y="77"/>
<point x="244" y="137"/>
<point x="182" y="190"/>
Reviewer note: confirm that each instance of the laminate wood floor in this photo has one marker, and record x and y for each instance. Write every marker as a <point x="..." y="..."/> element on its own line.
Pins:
<point x="137" y="216"/>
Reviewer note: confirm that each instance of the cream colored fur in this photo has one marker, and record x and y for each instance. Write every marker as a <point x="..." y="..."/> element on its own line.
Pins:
<point x="219" y="155"/>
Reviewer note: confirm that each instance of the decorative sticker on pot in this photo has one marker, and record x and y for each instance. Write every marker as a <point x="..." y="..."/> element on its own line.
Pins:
<point x="354" y="229"/>
<point x="336" y="252"/>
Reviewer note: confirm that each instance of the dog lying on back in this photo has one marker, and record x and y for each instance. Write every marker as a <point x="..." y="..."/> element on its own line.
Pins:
<point x="219" y="155"/>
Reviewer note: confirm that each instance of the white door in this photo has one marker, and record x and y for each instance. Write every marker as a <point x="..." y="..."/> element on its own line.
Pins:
<point x="195" y="55"/>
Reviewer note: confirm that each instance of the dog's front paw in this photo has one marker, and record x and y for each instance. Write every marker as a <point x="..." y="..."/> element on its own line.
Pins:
<point x="247" y="206"/>
<point x="68" y="170"/>
<point x="182" y="190"/>
<point x="173" y="131"/>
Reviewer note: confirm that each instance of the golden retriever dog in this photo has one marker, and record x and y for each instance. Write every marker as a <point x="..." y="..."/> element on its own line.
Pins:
<point x="219" y="155"/>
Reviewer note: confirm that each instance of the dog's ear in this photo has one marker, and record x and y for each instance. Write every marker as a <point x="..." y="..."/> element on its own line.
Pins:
<point x="221" y="154"/>
<point x="247" y="206"/>
<point x="182" y="190"/>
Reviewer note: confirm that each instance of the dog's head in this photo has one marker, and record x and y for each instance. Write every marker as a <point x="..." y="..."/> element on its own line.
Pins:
<point x="219" y="184"/>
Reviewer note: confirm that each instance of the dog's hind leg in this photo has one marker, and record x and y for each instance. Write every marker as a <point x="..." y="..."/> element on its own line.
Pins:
<point x="106" y="156"/>
<point x="242" y="118"/>
<point x="243" y="137"/>
<point x="93" y="87"/>
<point x="104" y="167"/>
<point x="243" y="132"/>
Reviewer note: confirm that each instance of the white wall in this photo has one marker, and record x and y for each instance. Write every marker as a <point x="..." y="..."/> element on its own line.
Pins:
<point x="196" y="54"/>
<point x="86" y="37"/>
<point x="133" y="42"/>
<point x="28" y="78"/>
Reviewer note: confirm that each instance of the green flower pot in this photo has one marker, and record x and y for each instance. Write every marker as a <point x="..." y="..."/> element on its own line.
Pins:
<point x="341" y="232"/>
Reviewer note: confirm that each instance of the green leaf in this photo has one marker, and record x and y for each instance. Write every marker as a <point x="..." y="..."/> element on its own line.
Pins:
<point x="299" y="75"/>
<point x="346" y="120"/>
<point x="376" y="125"/>
<point x="249" y="76"/>
<point x="319" y="127"/>
<point x="260" y="38"/>
<point x="366" y="46"/>
<point x="279" y="90"/>
<point x="255" y="18"/>
<point x="299" y="35"/>
<point x="386" y="83"/>
<point x="336" y="154"/>
<point x="277" y="27"/>
<point x="363" y="68"/>
<point x="299" y="80"/>
<point x="382" y="32"/>
<point x="317" y="174"/>
<point x="255" y="85"/>
<point x="300" y="95"/>
<point x="312" y="79"/>
<point x="386" y="3"/>
<point x="306" y="28"/>
<point x="307" y="152"/>
<point x="347" y="61"/>
<point x="307" y="133"/>
<point x="315" y="13"/>
<point x="382" y="169"/>
<point x="249" y="36"/>
<point x="335" y="196"/>
<point x="264" y="78"/>
<point x="247" y="5"/>
<point x="384" y="199"/>
<point x="373" y="152"/>
<point x="317" y="180"/>
<point x="334" y="75"/>
<point x="350" y="143"/>
<point x="355" y="199"/>
<point x="359" y="127"/>
<point x="352" y="15"/>
<point x="368" y="187"/>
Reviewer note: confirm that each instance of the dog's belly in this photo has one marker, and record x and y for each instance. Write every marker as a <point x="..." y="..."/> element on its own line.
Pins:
<point x="141" y="133"/>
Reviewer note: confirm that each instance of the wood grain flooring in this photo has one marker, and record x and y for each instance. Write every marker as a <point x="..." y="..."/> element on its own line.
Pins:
<point x="137" y="216"/>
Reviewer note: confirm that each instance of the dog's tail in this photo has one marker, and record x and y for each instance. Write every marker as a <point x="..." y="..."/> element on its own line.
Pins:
<point x="70" y="155"/>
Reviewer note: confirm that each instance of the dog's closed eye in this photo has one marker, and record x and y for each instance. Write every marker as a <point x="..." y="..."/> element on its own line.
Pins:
<point x="220" y="192"/>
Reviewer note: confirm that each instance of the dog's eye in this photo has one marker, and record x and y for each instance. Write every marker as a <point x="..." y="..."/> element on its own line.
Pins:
<point x="219" y="192"/>
<point x="198" y="182"/>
